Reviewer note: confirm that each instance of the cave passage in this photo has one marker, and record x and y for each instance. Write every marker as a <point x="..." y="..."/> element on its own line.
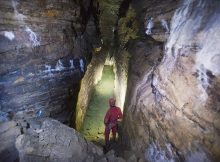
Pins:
<point x="93" y="127"/>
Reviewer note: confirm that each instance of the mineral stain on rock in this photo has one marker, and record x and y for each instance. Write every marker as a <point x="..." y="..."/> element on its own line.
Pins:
<point x="19" y="80"/>
<point x="51" y="13"/>
<point x="32" y="37"/>
<point x="9" y="34"/>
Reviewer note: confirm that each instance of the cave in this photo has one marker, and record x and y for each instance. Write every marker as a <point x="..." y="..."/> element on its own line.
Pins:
<point x="62" y="60"/>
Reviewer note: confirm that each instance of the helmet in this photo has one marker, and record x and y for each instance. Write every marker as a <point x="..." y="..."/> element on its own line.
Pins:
<point x="112" y="102"/>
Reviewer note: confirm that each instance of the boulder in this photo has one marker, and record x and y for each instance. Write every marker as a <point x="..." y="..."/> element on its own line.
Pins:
<point x="55" y="142"/>
<point x="9" y="131"/>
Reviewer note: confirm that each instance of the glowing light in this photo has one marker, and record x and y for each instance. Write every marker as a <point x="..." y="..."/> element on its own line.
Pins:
<point x="105" y="87"/>
<point x="120" y="90"/>
<point x="98" y="49"/>
<point x="123" y="94"/>
<point x="121" y="79"/>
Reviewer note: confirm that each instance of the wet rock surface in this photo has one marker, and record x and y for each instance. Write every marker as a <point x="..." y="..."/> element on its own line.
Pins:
<point x="41" y="43"/>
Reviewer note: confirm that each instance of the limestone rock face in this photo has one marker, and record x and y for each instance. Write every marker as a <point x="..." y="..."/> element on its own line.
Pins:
<point x="154" y="17"/>
<point x="40" y="45"/>
<point x="172" y="108"/>
<point x="45" y="140"/>
<point x="55" y="142"/>
<point x="134" y="16"/>
<point x="145" y="56"/>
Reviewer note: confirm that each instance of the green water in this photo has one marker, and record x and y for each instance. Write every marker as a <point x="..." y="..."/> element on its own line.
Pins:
<point x="93" y="127"/>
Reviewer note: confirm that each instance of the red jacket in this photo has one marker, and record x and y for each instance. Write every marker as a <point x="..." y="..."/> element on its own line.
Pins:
<point x="112" y="115"/>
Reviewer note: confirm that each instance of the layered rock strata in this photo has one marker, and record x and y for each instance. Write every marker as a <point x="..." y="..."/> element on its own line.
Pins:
<point x="41" y="43"/>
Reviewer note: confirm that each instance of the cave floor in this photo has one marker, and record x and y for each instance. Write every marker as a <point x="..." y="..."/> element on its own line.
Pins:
<point x="93" y="127"/>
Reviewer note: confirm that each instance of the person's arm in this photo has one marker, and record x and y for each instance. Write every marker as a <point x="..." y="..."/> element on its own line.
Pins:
<point x="106" y="119"/>
<point x="120" y="115"/>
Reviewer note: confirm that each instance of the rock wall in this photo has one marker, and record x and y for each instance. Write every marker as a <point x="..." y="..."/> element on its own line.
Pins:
<point x="132" y="24"/>
<point x="171" y="110"/>
<point x="121" y="59"/>
<point x="40" y="45"/>
<point x="154" y="17"/>
<point x="145" y="56"/>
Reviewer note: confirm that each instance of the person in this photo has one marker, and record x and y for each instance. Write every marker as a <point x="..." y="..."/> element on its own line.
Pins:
<point x="111" y="118"/>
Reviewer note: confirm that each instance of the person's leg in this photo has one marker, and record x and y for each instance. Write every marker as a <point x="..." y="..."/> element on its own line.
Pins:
<point x="114" y="131"/>
<point x="107" y="132"/>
